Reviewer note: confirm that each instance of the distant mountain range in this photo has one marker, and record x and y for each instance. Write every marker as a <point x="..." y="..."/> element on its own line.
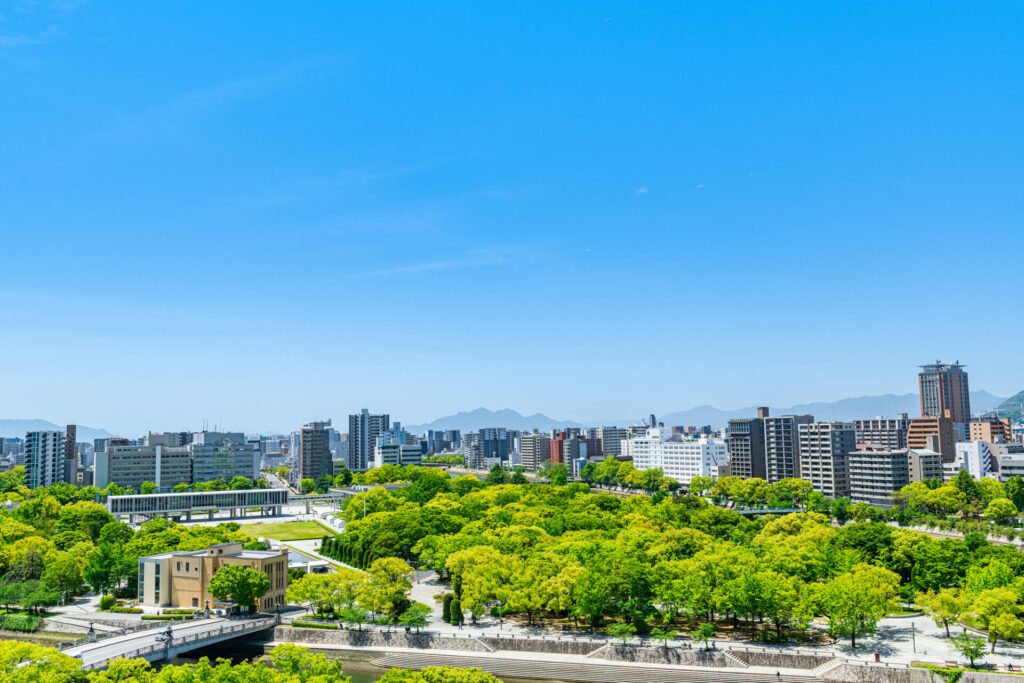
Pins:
<point x="17" y="428"/>
<point x="482" y="417"/>
<point x="887" y="405"/>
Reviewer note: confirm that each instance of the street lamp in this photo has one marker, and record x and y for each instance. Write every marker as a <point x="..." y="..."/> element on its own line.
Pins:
<point x="913" y="636"/>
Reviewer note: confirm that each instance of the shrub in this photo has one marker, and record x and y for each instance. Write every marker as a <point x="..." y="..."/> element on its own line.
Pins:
<point x="164" y="617"/>
<point x="446" y="607"/>
<point x="315" y="624"/>
<point x="456" y="612"/>
<point x="107" y="601"/>
<point x="26" y="623"/>
<point x="179" y="610"/>
<point x="120" y="609"/>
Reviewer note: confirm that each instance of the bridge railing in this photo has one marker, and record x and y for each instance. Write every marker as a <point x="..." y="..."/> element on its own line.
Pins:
<point x="240" y="627"/>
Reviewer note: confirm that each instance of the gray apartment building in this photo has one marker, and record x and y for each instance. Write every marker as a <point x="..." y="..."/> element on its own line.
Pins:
<point x="611" y="439"/>
<point x="363" y="430"/>
<point x="782" y="445"/>
<point x="745" y="438"/>
<point x="883" y="433"/>
<point x="825" y="448"/>
<point x="534" y="449"/>
<point x="876" y="474"/>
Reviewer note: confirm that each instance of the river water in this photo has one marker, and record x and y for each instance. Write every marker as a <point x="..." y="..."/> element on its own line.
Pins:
<point x="355" y="666"/>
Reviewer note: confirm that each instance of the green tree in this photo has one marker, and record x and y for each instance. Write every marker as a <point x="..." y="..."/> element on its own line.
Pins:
<point x="663" y="635"/>
<point x="240" y="484"/>
<point x="496" y="476"/>
<point x="22" y="662"/>
<point x="343" y="477"/>
<point x="416" y="616"/>
<point x="623" y="631"/>
<point x="147" y="488"/>
<point x="456" y="612"/>
<point x="387" y="586"/>
<point x="1000" y="510"/>
<point x="307" y="485"/>
<point x="856" y="600"/>
<point x="945" y="606"/>
<point x="969" y="645"/>
<point x="704" y="633"/>
<point x="700" y="485"/>
<point x="1005" y="626"/>
<point x="559" y="475"/>
<point x="244" y="585"/>
<point x="64" y="574"/>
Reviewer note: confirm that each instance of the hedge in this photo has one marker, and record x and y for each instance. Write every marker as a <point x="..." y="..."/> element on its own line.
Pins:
<point x="126" y="610"/>
<point x="164" y="617"/>
<point x="179" y="610"/>
<point x="315" y="624"/>
<point x="27" y="623"/>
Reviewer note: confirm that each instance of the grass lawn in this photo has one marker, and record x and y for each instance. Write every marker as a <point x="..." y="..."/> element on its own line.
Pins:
<point x="287" y="531"/>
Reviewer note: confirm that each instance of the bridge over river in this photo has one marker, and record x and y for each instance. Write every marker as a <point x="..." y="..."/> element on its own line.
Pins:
<point x="186" y="636"/>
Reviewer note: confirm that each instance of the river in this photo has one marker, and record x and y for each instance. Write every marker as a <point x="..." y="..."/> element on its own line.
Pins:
<point x="356" y="666"/>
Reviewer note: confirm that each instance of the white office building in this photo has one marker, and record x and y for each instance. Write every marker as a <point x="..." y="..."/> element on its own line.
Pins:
<point x="680" y="458"/>
<point x="973" y="456"/>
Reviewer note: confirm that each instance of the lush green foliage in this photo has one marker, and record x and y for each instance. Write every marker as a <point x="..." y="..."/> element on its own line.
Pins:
<point x="244" y="585"/>
<point x="28" y="623"/>
<point x="286" y="663"/>
<point x="444" y="459"/>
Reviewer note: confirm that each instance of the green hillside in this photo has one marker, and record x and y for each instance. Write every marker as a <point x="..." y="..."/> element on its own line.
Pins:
<point x="1012" y="407"/>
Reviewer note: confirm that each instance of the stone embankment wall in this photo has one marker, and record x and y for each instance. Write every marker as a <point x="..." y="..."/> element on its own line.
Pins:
<point x="661" y="655"/>
<point x="49" y="626"/>
<point x="561" y="647"/>
<point x="858" y="673"/>
<point x="785" y="660"/>
<point x="375" y="639"/>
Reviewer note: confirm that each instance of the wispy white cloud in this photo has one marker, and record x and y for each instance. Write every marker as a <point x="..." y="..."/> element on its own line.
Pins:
<point x="473" y="258"/>
<point x="702" y="186"/>
<point x="642" y="190"/>
<point x="180" y="110"/>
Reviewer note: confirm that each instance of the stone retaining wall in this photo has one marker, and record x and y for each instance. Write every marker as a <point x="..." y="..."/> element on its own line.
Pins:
<point x="660" y="655"/>
<point x="784" y="660"/>
<point x="859" y="673"/>
<point x="371" y="639"/>
<point x="561" y="647"/>
<point x="49" y="626"/>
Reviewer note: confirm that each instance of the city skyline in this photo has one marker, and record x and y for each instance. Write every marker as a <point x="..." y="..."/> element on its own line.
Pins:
<point x="259" y="217"/>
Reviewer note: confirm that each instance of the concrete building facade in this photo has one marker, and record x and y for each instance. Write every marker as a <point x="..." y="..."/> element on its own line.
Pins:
<point x="745" y="438"/>
<point x="182" y="579"/>
<point x="44" y="458"/>
<point x="886" y="434"/>
<point x="363" y="430"/>
<point x="782" y="445"/>
<point x="679" y="458"/>
<point x="824" y="452"/>
<point x="944" y="387"/>
<point x="534" y="450"/>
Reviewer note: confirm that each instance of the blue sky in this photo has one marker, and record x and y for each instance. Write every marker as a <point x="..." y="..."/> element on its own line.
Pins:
<point x="265" y="213"/>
